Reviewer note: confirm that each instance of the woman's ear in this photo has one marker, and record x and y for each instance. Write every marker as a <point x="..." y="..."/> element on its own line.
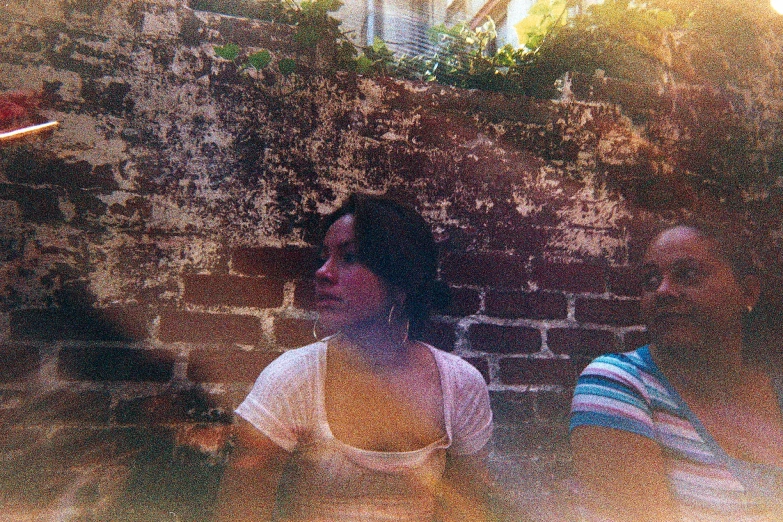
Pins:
<point x="398" y="297"/>
<point x="751" y="288"/>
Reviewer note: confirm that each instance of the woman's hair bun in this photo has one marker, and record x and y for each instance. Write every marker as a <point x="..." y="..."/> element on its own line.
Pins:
<point x="440" y="295"/>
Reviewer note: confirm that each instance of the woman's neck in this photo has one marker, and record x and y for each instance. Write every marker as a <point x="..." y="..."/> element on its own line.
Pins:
<point x="376" y="350"/>
<point x="709" y="370"/>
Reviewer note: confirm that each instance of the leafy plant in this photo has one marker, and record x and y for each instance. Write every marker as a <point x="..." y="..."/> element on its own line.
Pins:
<point x="229" y="51"/>
<point x="260" y="59"/>
<point x="465" y="58"/>
<point x="376" y="59"/>
<point x="286" y="66"/>
<point x="541" y="19"/>
<point x="652" y="41"/>
<point x="317" y="32"/>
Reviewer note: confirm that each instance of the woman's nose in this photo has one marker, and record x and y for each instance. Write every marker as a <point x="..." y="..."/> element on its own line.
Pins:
<point x="667" y="287"/>
<point x="326" y="271"/>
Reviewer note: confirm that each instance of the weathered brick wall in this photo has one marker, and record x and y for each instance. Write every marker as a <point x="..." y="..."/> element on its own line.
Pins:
<point x="158" y="247"/>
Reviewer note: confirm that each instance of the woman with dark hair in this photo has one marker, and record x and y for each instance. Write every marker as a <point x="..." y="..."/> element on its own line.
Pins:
<point x="685" y="428"/>
<point x="370" y="422"/>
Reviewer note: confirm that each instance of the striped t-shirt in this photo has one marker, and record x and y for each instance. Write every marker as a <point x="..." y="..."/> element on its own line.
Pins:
<point x="628" y="392"/>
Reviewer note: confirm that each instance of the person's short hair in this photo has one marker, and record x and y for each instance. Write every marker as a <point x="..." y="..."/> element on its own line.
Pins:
<point x="396" y="244"/>
<point x="732" y="244"/>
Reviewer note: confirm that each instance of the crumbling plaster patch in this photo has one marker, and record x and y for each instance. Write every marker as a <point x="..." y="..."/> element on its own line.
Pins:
<point x="34" y="11"/>
<point x="125" y="268"/>
<point x="617" y="147"/>
<point x="45" y="258"/>
<point x="578" y="244"/>
<point x="168" y="215"/>
<point x="80" y="136"/>
<point x="372" y="96"/>
<point x="20" y="77"/>
<point x="161" y="25"/>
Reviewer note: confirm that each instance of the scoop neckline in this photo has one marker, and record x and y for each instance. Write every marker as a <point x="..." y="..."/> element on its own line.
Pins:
<point x="702" y="431"/>
<point x="441" y="443"/>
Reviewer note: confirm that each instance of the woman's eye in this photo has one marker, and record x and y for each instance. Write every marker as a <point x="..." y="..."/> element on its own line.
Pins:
<point x="687" y="275"/>
<point x="350" y="257"/>
<point x="651" y="282"/>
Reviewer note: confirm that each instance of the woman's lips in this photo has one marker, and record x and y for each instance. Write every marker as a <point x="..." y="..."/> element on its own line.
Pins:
<point x="326" y="300"/>
<point x="670" y="318"/>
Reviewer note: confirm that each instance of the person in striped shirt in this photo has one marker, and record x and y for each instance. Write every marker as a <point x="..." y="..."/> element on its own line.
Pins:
<point x="685" y="428"/>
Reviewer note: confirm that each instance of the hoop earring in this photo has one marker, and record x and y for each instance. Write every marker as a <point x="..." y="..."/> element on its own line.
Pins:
<point x="407" y="331"/>
<point x="407" y="325"/>
<point x="315" y="326"/>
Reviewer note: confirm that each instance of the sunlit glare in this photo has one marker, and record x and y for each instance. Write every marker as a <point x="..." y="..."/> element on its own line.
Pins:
<point x="777" y="5"/>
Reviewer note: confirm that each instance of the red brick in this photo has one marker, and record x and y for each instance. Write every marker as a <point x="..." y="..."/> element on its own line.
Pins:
<point x="115" y="364"/>
<point x="578" y="342"/>
<point x="481" y="365"/>
<point x="304" y="294"/>
<point x="157" y="409"/>
<point x="195" y="327"/>
<point x="618" y="312"/>
<point x="440" y="335"/>
<point x="634" y="339"/>
<point x="504" y="339"/>
<point x="18" y="362"/>
<point x="292" y="333"/>
<point x="536" y="371"/>
<point x="280" y="263"/>
<point x="535" y="305"/>
<point x="130" y="322"/>
<point x="228" y="365"/>
<point x="624" y="281"/>
<point x="506" y="232"/>
<point x="233" y="290"/>
<point x="485" y="269"/>
<point x="575" y="277"/>
<point x="464" y="301"/>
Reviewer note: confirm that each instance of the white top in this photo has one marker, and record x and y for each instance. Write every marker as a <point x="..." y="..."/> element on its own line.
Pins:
<point x="331" y="480"/>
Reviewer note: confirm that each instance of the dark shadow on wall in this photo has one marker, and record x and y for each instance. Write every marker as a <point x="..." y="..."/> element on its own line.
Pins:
<point x="95" y="424"/>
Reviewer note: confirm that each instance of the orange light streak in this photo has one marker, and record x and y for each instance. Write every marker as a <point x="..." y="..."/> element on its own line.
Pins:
<point x="32" y="129"/>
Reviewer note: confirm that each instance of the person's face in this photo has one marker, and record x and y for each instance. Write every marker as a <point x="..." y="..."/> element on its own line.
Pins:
<point x="691" y="297"/>
<point x="348" y="294"/>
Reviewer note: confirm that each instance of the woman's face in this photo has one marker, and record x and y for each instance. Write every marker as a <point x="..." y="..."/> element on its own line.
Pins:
<point x="348" y="294"/>
<point x="691" y="297"/>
